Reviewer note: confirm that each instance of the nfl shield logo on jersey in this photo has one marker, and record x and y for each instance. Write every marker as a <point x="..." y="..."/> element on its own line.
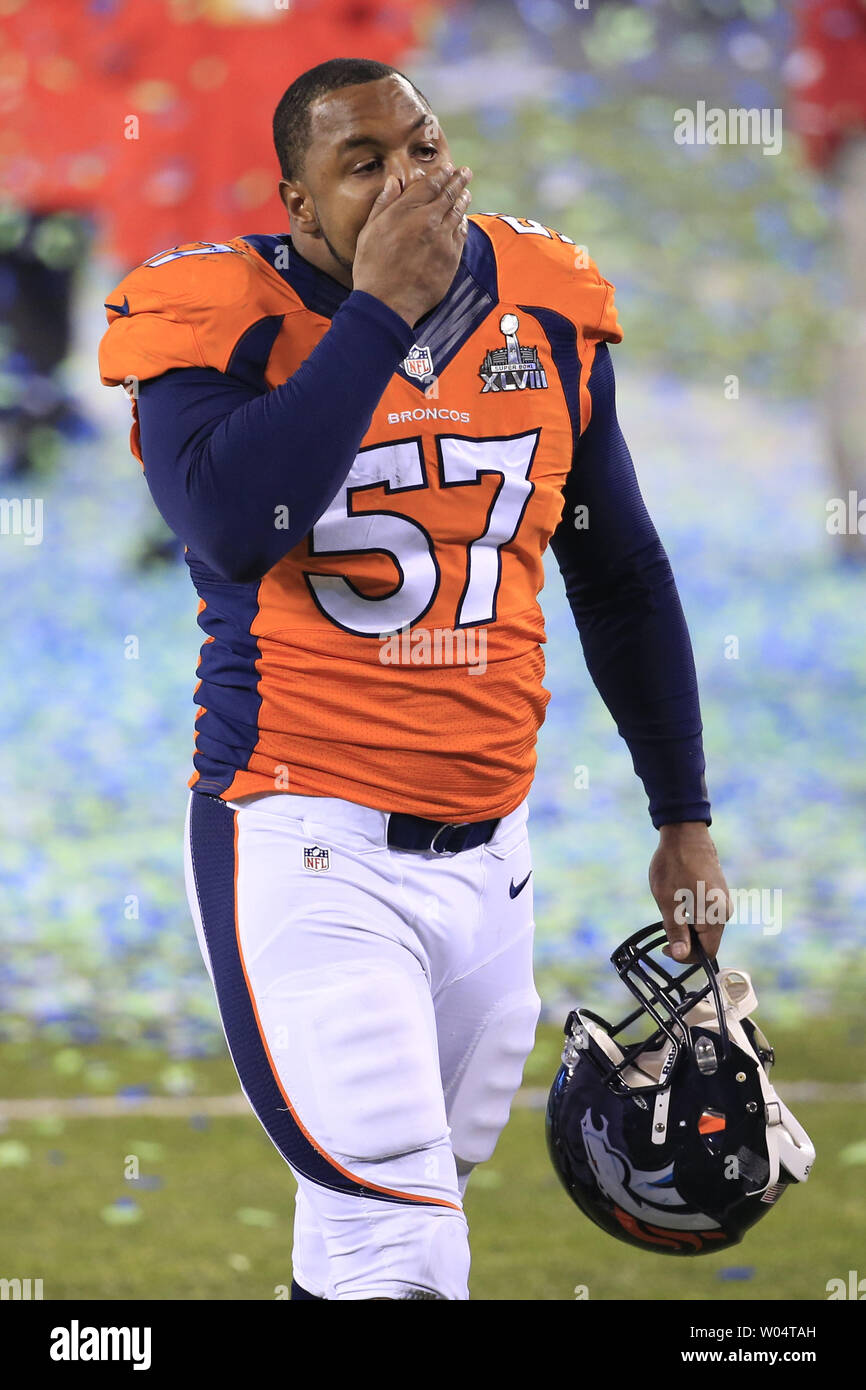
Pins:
<point x="316" y="858"/>
<point x="419" y="363"/>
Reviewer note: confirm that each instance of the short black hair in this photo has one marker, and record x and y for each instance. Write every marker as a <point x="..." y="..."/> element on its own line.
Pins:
<point x="292" y="116"/>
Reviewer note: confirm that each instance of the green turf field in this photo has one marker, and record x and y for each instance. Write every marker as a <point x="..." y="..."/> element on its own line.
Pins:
<point x="210" y="1214"/>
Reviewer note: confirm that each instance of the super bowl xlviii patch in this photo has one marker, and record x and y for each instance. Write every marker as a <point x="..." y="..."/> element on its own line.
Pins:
<point x="419" y="363"/>
<point x="316" y="858"/>
<point x="512" y="368"/>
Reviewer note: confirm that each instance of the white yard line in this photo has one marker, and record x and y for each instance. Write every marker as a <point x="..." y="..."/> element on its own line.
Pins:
<point x="184" y="1107"/>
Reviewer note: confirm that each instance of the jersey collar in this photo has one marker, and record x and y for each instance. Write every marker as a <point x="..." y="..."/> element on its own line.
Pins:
<point x="444" y="330"/>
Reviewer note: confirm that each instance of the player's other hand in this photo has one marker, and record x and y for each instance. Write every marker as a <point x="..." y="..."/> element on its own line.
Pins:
<point x="687" y="882"/>
<point x="409" y="248"/>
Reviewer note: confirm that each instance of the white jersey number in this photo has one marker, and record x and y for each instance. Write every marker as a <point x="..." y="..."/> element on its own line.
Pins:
<point x="341" y="530"/>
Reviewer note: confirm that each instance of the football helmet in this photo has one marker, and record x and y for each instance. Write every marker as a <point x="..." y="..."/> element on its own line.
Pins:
<point x="677" y="1143"/>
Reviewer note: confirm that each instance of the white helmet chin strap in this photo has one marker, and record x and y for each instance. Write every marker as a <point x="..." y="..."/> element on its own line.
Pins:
<point x="788" y="1144"/>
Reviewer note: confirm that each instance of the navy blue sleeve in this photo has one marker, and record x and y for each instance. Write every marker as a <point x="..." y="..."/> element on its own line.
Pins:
<point x="628" y="613"/>
<point x="221" y="457"/>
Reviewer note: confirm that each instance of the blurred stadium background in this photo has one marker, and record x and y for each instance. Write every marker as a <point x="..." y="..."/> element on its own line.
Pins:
<point x="728" y="263"/>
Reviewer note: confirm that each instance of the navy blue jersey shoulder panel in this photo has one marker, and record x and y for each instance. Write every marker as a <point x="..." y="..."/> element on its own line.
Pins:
<point x="479" y="258"/>
<point x="561" y="334"/>
<point x="250" y="354"/>
<point x="317" y="291"/>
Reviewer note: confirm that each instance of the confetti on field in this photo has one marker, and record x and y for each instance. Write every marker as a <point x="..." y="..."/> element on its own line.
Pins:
<point x="100" y="1076"/>
<point x="133" y="1093"/>
<point x="146" y="1150"/>
<point x="68" y="1061"/>
<point x="123" y="1212"/>
<point x="177" y="1079"/>
<point x="14" y="1154"/>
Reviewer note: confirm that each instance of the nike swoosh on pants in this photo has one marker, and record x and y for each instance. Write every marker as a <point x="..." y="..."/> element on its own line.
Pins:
<point x="514" y="889"/>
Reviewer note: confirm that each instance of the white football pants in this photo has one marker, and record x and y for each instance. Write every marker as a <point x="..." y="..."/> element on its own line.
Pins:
<point x="379" y="1007"/>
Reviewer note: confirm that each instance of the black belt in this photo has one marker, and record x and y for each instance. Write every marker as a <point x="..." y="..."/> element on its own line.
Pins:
<point x="443" y="837"/>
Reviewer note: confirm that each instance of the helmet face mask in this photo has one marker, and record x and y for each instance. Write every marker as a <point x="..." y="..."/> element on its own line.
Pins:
<point x="677" y="1143"/>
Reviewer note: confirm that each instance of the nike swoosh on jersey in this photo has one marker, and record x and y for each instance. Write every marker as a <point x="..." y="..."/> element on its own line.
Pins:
<point x="120" y="308"/>
<point x="514" y="889"/>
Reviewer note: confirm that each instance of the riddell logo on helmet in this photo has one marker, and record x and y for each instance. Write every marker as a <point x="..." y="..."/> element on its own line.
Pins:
<point x="668" y="1065"/>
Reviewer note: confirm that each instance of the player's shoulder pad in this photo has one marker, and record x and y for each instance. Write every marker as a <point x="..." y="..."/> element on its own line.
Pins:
<point x="543" y="267"/>
<point x="188" y="307"/>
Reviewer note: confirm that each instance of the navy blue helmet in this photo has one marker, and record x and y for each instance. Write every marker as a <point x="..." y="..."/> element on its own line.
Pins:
<point x="677" y="1142"/>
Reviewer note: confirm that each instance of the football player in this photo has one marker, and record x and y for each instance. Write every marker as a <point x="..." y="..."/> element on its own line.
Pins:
<point x="366" y="431"/>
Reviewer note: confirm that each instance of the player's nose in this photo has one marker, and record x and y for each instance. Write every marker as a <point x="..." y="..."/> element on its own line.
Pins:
<point x="402" y="167"/>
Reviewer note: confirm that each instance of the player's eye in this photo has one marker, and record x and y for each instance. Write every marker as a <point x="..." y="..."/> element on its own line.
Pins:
<point x="427" y="153"/>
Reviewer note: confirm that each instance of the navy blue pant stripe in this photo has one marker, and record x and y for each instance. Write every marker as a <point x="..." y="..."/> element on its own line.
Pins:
<point x="212" y="844"/>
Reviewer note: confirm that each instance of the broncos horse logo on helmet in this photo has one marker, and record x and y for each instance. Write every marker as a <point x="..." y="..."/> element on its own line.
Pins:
<point x="678" y="1142"/>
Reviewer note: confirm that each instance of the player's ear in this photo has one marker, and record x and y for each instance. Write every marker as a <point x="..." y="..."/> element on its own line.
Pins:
<point x="299" y="205"/>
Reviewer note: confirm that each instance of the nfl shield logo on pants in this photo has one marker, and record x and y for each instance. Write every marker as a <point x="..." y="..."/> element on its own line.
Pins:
<point x="419" y="363"/>
<point x="317" y="858"/>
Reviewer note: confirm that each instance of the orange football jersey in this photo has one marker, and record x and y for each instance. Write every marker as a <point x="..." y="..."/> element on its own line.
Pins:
<point x="393" y="657"/>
